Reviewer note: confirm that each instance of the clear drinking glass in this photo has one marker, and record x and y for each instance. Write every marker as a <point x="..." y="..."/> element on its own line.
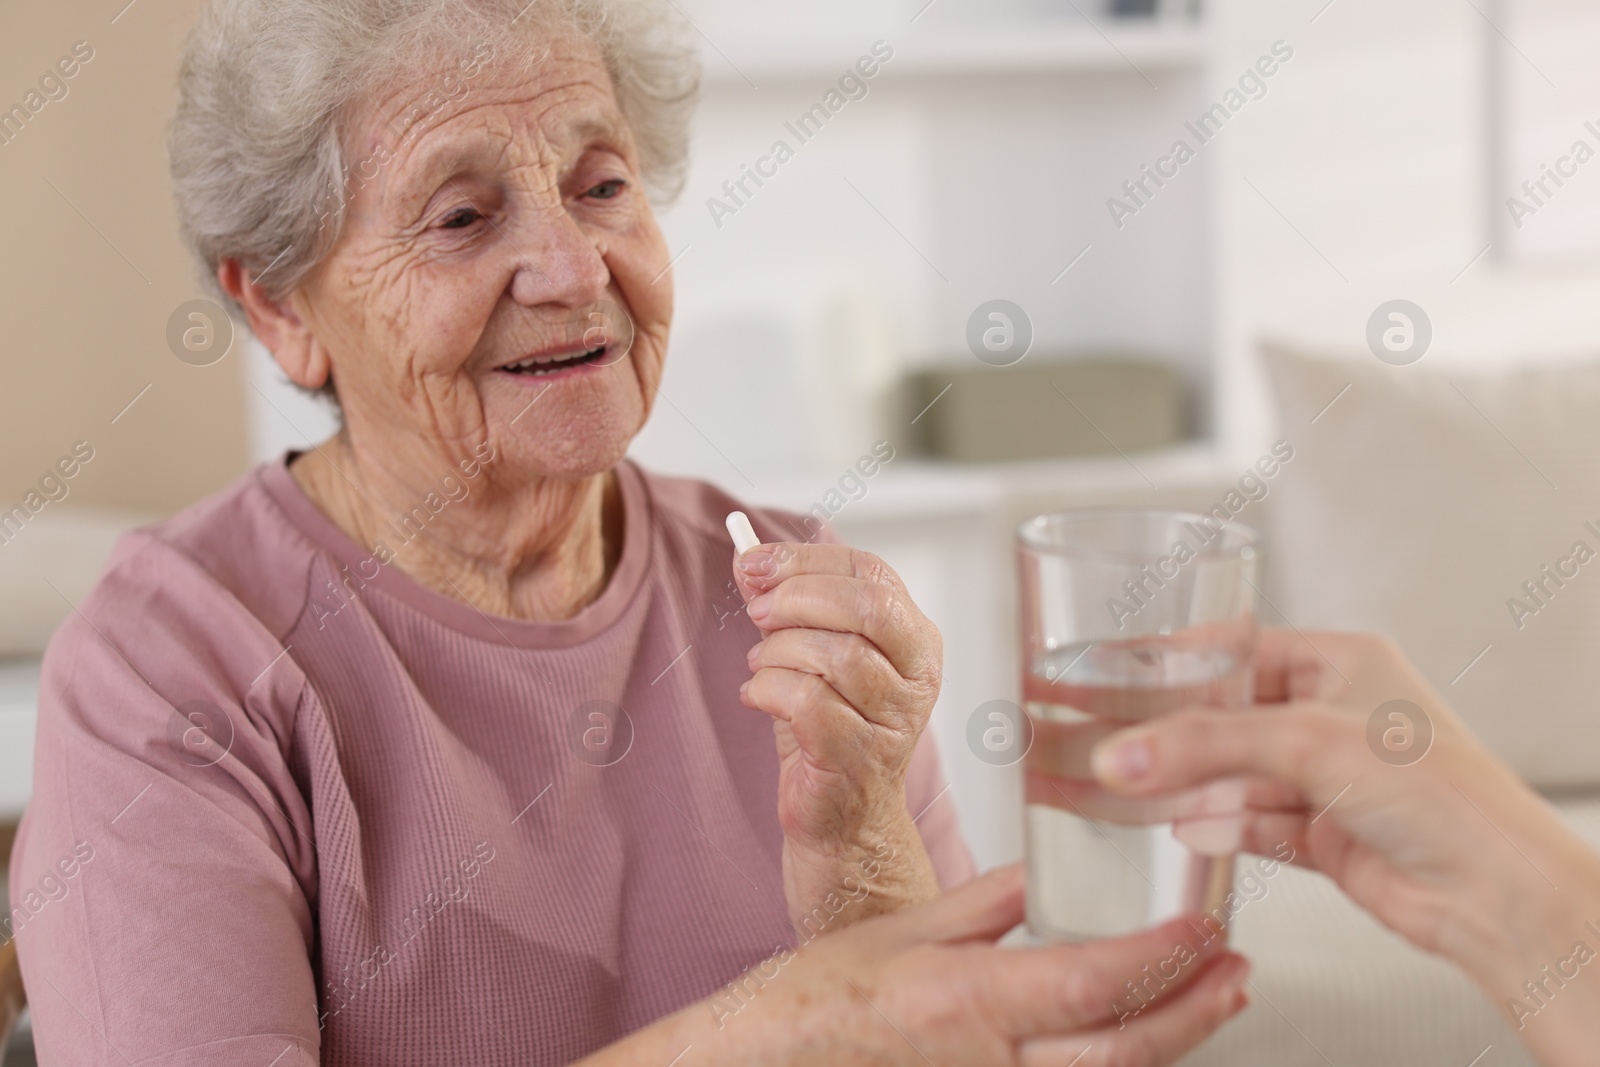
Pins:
<point x="1126" y="615"/>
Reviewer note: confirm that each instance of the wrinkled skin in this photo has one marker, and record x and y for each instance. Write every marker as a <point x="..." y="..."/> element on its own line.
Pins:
<point x="494" y="225"/>
<point x="489" y="230"/>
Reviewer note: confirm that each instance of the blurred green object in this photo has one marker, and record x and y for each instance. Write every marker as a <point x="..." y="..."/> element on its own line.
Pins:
<point x="1043" y="409"/>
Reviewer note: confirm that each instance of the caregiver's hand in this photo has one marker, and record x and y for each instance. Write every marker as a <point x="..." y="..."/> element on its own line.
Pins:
<point x="1447" y="846"/>
<point x="849" y="669"/>
<point x="928" y="986"/>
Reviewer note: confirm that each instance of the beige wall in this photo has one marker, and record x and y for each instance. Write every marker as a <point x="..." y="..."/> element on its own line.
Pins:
<point x="81" y="331"/>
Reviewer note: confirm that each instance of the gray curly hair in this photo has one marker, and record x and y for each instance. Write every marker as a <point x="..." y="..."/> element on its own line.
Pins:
<point x="267" y="87"/>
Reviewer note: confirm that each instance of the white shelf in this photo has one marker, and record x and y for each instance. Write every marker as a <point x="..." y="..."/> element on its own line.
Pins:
<point x="923" y="489"/>
<point x="1018" y="48"/>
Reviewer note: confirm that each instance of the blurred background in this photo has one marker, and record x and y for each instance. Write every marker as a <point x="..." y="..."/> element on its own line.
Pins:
<point x="995" y="257"/>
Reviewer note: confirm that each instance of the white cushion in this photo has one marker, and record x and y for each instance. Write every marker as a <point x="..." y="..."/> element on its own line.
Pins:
<point x="1332" y="985"/>
<point x="1418" y="505"/>
<point x="47" y="566"/>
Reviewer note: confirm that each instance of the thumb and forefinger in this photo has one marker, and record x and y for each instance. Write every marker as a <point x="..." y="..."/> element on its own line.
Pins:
<point x="1311" y="747"/>
<point x="981" y="910"/>
<point x="1057" y="989"/>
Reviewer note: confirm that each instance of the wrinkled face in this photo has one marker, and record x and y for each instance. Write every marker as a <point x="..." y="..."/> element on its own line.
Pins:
<point x="498" y="256"/>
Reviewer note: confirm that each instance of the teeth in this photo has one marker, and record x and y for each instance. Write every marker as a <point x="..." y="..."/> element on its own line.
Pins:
<point x="532" y="365"/>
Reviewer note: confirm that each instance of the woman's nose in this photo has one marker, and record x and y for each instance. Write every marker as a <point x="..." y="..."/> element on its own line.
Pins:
<point x="558" y="264"/>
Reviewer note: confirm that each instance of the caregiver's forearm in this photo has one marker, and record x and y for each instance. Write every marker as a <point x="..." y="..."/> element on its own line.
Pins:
<point x="1531" y="939"/>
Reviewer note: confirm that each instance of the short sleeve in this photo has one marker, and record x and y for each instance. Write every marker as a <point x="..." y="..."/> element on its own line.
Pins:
<point x="159" y="882"/>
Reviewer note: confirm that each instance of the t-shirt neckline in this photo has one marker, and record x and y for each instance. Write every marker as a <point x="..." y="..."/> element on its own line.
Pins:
<point x="351" y="558"/>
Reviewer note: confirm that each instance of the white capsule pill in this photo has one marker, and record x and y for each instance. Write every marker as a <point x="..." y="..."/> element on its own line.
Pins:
<point x="743" y="534"/>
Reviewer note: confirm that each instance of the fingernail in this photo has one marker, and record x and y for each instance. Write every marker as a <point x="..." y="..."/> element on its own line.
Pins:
<point x="1128" y="759"/>
<point x="758" y="563"/>
<point x="1235" y="996"/>
<point x="1221" y="835"/>
<point x="760" y="607"/>
<point x="750" y="657"/>
<point x="743" y="688"/>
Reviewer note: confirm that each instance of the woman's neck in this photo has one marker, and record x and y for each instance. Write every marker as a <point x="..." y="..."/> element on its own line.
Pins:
<point x="539" y="551"/>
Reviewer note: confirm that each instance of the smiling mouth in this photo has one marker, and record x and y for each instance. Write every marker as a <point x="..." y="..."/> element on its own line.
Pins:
<point x="542" y="365"/>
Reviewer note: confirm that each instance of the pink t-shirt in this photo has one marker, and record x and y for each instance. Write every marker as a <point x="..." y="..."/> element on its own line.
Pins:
<point x="292" y="807"/>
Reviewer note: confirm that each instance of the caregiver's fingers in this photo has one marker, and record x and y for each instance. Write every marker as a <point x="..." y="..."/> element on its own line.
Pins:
<point x="853" y="666"/>
<point x="1227" y="796"/>
<point x="1337" y="668"/>
<point x="1155" y="1036"/>
<point x="1291" y="665"/>
<point x="882" y="614"/>
<point x="1317" y="749"/>
<point x="1059" y="989"/>
<point x="1280" y="836"/>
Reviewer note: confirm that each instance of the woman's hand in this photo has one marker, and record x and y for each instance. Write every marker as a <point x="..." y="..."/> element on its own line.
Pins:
<point x="1444" y="843"/>
<point x="849" y="669"/>
<point x="929" y="986"/>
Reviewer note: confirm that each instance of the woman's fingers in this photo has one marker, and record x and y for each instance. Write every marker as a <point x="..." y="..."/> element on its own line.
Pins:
<point x="828" y="728"/>
<point x="1144" y="999"/>
<point x="835" y="587"/>
<point x="850" y="664"/>
<point x="978" y="911"/>
<point x="1065" y="988"/>
<point x="1315" y="749"/>
<point x="881" y="613"/>
<point x="763" y="568"/>
<point x="845" y="591"/>
<point x="1155" y="1036"/>
<point x="981" y="910"/>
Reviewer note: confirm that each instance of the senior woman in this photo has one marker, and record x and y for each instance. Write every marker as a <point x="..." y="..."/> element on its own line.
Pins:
<point x="441" y="741"/>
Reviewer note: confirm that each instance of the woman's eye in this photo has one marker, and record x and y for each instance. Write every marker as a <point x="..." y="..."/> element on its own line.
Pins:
<point x="607" y="190"/>
<point x="461" y="218"/>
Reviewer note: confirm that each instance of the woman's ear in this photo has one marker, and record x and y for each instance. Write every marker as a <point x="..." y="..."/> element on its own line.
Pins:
<point x="278" y="326"/>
